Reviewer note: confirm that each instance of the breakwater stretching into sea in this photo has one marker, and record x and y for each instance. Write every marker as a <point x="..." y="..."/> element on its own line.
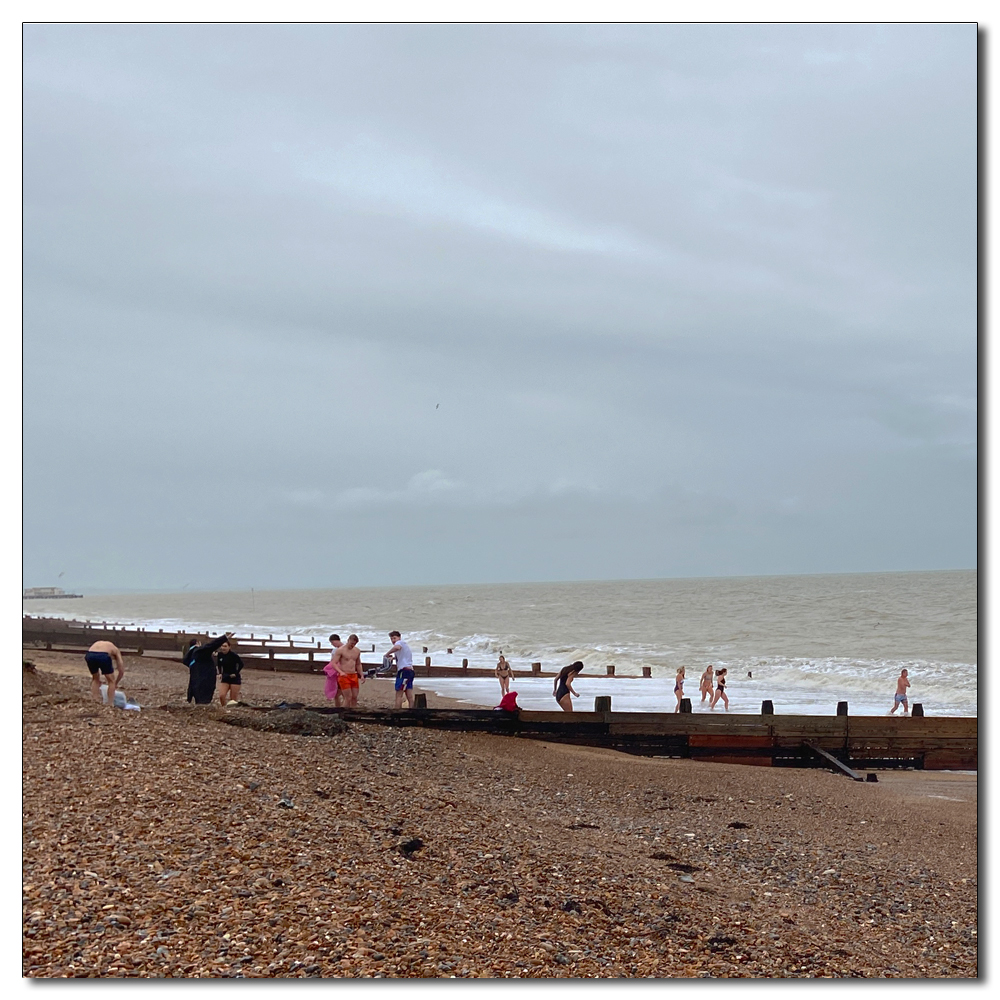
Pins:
<point x="808" y="641"/>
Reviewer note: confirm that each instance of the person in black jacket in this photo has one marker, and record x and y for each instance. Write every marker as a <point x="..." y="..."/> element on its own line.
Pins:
<point x="230" y="665"/>
<point x="198" y="659"/>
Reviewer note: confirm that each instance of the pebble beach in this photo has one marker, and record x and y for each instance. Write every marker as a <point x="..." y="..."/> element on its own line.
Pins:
<point x="192" y="841"/>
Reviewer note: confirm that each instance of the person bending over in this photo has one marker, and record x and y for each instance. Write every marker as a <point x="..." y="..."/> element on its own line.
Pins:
<point x="101" y="660"/>
<point x="563" y="687"/>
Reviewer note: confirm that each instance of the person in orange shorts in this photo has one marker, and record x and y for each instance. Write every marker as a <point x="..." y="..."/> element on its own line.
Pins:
<point x="347" y="661"/>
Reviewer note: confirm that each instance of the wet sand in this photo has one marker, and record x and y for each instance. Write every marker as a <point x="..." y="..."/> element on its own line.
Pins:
<point x="200" y="848"/>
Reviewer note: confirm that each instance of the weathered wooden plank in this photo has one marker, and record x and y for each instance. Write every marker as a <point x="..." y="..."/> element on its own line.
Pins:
<point x="830" y="759"/>
<point x="951" y="760"/>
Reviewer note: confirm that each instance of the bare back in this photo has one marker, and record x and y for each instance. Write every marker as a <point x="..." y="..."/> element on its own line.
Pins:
<point x="103" y="646"/>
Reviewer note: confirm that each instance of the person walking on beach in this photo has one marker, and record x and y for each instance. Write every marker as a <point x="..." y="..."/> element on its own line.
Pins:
<point x="562" y="689"/>
<point x="101" y="660"/>
<point x="679" y="688"/>
<point x="404" y="669"/>
<point x="332" y="687"/>
<point x="504" y="674"/>
<point x="720" y="689"/>
<point x="230" y="666"/>
<point x="198" y="659"/>
<point x="347" y="661"/>
<point x="705" y="684"/>
<point x="900" y="698"/>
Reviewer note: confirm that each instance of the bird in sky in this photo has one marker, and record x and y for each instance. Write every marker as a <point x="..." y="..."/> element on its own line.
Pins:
<point x="437" y="406"/>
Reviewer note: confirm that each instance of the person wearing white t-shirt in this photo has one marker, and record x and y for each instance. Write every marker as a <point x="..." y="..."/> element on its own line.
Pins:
<point x="404" y="670"/>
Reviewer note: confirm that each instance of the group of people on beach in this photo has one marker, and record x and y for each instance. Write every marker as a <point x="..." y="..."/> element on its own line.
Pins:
<point x="215" y="659"/>
<point x="713" y="696"/>
<point x="345" y="673"/>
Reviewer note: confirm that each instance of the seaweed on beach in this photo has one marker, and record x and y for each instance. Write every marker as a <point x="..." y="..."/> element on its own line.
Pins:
<point x="294" y="722"/>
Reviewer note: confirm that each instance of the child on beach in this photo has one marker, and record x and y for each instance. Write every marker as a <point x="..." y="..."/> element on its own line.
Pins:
<point x="720" y="689"/>
<point x="679" y="688"/>
<point x="705" y="684"/>
<point x="504" y="675"/>
<point x="902" y="683"/>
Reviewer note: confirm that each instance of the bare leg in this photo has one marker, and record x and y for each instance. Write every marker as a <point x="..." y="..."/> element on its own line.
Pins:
<point x="725" y="699"/>
<point x="566" y="703"/>
<point x="110" y="678"/>
<point x="234" y="692"/>
<point x="223" y="694"/>
<point x="399" y="698"/>
<point x="95" y="686"/>
<point x="409" y="697"/>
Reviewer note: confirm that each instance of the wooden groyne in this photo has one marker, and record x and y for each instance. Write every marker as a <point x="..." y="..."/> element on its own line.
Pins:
<point x="259" y="651"/>
<point x="869" y="742"/>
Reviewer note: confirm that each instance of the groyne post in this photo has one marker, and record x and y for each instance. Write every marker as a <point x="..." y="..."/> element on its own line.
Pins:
<point x="917" y="712"/>
<point x="610" y="669"/>
<point x="602" y="704"/>
<point x="536" y="668"/>
<point x="841" y="708"/>
<point x="686" y="706"/>
<point x="767" y="708"/>
<point x="647" y="671"/>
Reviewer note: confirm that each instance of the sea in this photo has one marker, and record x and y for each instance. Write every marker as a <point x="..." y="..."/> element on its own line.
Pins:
<point x="803" y="642"/>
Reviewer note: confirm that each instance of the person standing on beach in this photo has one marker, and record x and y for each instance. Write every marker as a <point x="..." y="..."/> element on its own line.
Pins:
<point x="332" y="687"/>
<point x="679" y="688"/>
<point x="201" y="682"/>
<point x="404" y="669"/>
<point x="101" y="660"/>
<point x="230" y="669"/>
<point x="504" y="674"/>
<point x="720" y="689"/>
<point x="705" y="684"/>
<point x="563" y="686"/>
<point x="900" y="698"/>
<point x="347" y="661"/>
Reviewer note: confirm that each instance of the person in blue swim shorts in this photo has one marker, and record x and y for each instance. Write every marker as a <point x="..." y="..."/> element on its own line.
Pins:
<point x="902" y="683"/>
<point x="404" y="670"/>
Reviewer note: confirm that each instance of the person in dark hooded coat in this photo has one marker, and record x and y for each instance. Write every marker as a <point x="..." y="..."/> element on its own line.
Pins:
<point x="201" y="685"/>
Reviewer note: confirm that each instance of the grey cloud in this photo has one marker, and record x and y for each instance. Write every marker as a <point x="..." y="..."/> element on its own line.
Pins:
<point x="690" y="299"/>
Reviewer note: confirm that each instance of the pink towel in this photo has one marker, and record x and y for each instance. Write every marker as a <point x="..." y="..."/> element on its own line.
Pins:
<point x="332" y="681"/>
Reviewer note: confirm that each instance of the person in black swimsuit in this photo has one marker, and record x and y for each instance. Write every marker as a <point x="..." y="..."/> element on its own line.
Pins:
<point x="230" y="665"/>
<point x="563" y="687"/>
<point x="720" y="689"/>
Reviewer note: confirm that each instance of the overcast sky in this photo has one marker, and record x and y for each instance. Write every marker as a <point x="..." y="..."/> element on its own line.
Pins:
<point x="336" y="305"/>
